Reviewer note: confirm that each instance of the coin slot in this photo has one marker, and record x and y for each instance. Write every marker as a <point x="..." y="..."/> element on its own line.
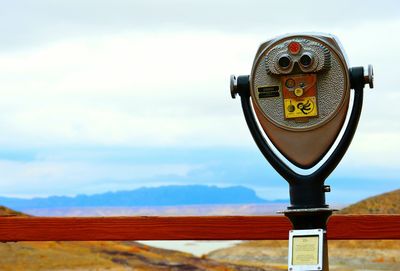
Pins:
<point x="268" y="92"/>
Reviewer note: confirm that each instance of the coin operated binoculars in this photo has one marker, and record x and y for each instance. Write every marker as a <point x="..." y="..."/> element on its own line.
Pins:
<point x="299" y="88"/>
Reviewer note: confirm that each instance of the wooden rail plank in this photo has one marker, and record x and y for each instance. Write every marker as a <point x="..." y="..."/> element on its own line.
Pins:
<point x="364" y="227"/>
<point x="344" y="227"/>
<point x="142" y="228"/>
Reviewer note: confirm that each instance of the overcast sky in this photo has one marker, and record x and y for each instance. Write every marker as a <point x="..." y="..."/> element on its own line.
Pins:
<point x="111" y="95"/>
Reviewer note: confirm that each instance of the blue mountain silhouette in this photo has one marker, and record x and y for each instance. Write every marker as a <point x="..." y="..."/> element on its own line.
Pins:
<point x="147" y="196"/>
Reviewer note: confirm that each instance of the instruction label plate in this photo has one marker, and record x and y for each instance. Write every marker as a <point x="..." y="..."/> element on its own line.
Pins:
<point x="306" y="250"/>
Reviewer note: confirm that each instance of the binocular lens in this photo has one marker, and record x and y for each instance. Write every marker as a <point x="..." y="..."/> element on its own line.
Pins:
<point x="305" y="60"/>
<point x="284" y="61"/>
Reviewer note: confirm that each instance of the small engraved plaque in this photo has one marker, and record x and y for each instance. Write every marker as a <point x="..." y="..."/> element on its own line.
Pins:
<point x="305" y="250"/>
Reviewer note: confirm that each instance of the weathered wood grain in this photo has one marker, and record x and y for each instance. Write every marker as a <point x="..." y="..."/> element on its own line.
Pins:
<point x="344" y="227"/>
<point x="364" y="227"/>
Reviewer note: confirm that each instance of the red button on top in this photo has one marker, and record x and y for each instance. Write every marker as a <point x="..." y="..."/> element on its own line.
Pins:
<point x="294" y="47"/>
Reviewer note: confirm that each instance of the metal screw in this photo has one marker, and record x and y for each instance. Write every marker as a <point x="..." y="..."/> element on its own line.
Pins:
<point x="327" y="188"/>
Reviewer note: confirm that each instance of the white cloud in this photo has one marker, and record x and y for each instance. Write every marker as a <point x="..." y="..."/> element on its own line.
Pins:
<point x="156" y="89"/>
<point x="135" y="89"/>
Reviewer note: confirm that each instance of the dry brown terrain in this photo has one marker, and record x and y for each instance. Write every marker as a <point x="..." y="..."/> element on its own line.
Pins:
<point x="343" y="255"/>
<point x="101" y="256"/>
<point x="4" y="211"/>
<point x="388" y="203"/>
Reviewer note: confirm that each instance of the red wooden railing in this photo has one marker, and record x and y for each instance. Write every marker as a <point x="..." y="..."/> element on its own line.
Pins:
<point x="340" y="227"/>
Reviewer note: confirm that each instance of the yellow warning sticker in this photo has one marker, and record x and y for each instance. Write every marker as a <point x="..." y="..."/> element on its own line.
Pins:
<point x="300" y="108"/>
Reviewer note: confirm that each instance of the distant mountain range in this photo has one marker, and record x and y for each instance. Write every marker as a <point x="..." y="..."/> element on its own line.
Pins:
<point x="157" y="196"/>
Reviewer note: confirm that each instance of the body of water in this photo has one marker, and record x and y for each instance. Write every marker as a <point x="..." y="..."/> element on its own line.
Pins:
<point x="197" y="248"/>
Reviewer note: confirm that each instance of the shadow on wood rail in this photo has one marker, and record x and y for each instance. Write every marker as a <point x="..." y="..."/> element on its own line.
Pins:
<point x="340" y="227"/>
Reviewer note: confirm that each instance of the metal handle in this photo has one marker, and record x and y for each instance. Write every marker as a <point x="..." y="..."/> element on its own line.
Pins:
<point x="233" y="83"/>
<point x="369" y="77"/>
